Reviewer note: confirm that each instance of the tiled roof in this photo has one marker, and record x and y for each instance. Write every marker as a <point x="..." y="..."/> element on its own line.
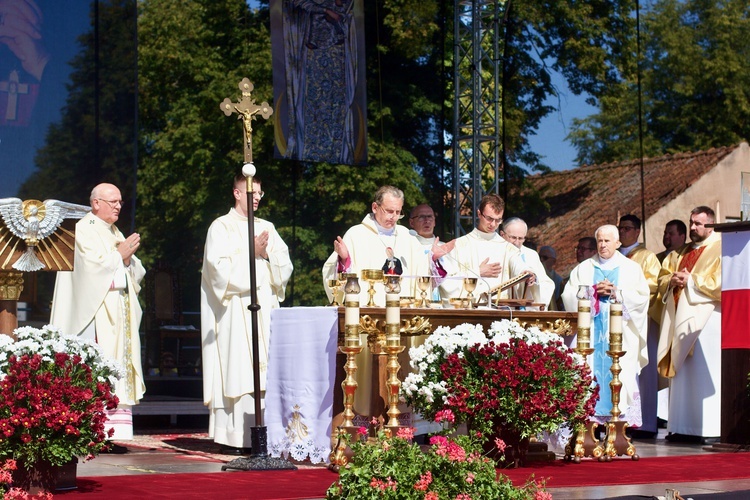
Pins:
<point x="582" y="199"/>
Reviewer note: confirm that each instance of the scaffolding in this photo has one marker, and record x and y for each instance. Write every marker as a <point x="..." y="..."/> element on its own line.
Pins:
<point x="477" y="150"/>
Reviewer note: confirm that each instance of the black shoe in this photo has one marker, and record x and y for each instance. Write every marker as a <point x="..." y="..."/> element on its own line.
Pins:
<point x="661" y="423"/>
<point x="682" y="438"/>
<point x="231" y="450"/>
<point x="710" y="440"/>
<point x="115" y="449"/>
<point x="639" y="434"/>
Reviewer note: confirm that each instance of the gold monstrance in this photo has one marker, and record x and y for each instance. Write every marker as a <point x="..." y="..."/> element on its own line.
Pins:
<point x="246" y="110"/>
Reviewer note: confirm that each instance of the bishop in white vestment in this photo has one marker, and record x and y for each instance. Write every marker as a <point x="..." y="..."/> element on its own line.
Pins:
<point x="602" y="274"/>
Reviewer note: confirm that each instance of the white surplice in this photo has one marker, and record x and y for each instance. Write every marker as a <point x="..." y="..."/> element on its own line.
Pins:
<point x="469" y="253"/>
<point x="226" y="323"/>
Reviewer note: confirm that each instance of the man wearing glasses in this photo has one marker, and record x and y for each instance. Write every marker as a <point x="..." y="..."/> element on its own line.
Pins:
<point x="483" y="254"/>
<point x="98" y="300"/>
<point x="226" y="322"/>
<point x="585" y="249"/>
<point x="375" y="243"/>
<point x="648" y="382"/>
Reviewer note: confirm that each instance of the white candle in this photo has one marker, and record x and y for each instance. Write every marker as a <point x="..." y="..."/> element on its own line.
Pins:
<point x="584" y="313"/>
<point x="351" y="312"/>
<point x="615" y="318"/>
<point x="392" y="308"/>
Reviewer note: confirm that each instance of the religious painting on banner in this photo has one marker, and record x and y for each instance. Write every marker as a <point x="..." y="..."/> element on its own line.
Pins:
<point x="38" y="39"/>
<point x="318" y="52"/>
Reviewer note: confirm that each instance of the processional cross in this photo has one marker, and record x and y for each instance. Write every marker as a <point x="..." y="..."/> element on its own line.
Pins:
<point x="246" y="109"/>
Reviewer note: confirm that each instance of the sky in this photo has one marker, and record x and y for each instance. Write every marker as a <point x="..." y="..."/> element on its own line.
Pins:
<point x="550" y="141"/>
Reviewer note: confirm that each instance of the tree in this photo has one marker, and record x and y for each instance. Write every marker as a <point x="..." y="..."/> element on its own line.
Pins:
<point x="694" y="78"/>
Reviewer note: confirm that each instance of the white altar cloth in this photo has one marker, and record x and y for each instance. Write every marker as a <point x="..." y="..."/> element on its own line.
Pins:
<point x="300" y="384"/>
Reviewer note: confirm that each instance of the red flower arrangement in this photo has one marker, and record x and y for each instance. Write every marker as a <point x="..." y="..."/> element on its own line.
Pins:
<point x="524" y="379"/>
<point x="53" y="394"/>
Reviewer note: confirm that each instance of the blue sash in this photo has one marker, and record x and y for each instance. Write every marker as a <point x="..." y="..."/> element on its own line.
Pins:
<point x="600" y="342"/>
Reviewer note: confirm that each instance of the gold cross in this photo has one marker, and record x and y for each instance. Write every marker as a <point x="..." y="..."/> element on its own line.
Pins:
<point x="246" y="110"/>
<point x="13" y="87"/>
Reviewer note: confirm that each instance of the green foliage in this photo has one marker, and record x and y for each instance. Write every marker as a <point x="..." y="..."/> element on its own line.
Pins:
<point x="695" y="71"/>
<point x="385" y="467"/>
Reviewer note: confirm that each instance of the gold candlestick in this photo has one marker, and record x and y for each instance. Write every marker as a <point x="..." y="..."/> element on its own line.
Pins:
<point x="393" y="345"/>
<point x="372" y="276"/>
<point x="617" y="442"/>
<point x="352" y="345"/>
<point x="584" y="442"/>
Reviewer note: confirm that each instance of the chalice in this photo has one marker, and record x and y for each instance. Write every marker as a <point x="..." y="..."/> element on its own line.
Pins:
<point x="423" y="282"/>
<point x="372" y="276"/>
<point x="470" y="284"/>
<point x="335" y="284"/>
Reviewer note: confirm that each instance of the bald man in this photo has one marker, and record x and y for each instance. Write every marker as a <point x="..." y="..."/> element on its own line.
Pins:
<point x="98" y="300"/>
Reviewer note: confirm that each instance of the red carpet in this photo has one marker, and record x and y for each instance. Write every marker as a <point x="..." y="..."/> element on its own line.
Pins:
<point x="705" y="467"/>
<point x="313" y="483"/>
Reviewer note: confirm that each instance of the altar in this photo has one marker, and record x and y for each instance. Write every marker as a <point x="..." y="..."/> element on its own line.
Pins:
<point x="305" y="369"/>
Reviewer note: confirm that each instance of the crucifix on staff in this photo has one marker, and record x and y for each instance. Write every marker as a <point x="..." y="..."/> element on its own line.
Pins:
<point x="246" y="110"/>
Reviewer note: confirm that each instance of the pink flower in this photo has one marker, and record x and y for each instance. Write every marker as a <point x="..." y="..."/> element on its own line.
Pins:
<point x="406" y="433"/>
<point x="362" y="430"/>
<point x="470" y="477"/>
<point x="424" y="482"/>
<point x="431" y="496"/>
<point x="446" y="415"/>
<point x="542" y="495"/>
<point x="463" y="496"/>
<point x="500" y="445"/>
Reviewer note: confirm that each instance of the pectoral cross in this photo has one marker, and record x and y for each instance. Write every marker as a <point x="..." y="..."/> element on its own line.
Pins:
<point x="246" y="110"/>
<point x="13" y="87"/>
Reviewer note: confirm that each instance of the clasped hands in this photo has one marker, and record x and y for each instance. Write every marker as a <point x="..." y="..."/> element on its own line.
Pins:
<point x="679" y="279"/>
<point x="605" y="288"/>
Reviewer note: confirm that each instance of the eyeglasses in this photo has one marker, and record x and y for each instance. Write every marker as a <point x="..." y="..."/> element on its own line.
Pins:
<point x="545" y="257"/>
<point x="259" y="194"/>
<point x="391" y="213"/>
<point x="626" y="228"/>
<point x="492" y="220"/>
<point x="516" y="238"/>
<point x="112" y="203"/>
<point x="423" y="218"/>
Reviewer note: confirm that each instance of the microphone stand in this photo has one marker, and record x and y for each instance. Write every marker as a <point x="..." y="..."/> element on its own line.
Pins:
<point x="259" y="458"/>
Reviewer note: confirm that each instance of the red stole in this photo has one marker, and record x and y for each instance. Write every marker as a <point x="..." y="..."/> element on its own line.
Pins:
<point x="687" y="263"/>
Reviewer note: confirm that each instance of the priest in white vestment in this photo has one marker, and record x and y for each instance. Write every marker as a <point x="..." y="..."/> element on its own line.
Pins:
<point x="226" y="323"/>
<point x="607" y="273"/>
<point x="690" y="342"/>
<point x="483" y="254"/>
<point x="98" y="300"/>
<point x="514" y="231"/>
<point x="374" y="244"/>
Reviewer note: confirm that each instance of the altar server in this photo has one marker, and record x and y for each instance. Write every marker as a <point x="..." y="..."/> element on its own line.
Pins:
<point x="226" y="322"/>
